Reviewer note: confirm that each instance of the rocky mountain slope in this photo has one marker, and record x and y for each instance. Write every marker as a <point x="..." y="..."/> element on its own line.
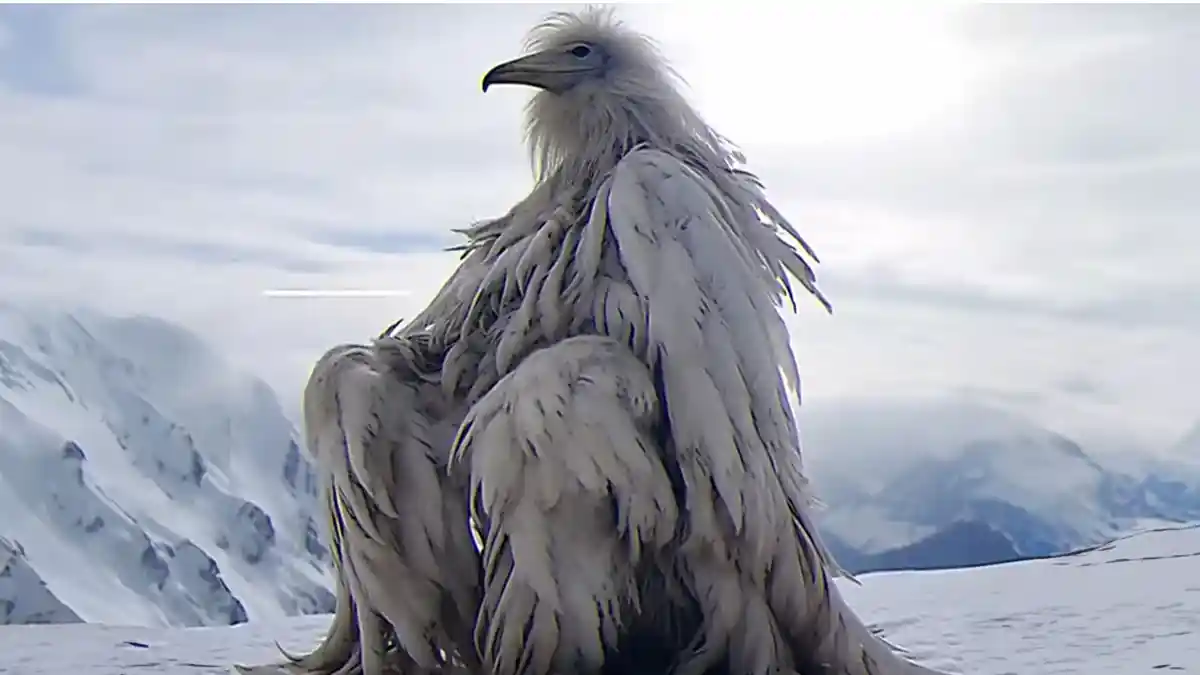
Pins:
<point x="144" y="481"/>
<point x="24" y="597"/>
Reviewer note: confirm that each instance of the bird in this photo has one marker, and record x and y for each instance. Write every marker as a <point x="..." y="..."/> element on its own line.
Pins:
<point x="582" y="456"/>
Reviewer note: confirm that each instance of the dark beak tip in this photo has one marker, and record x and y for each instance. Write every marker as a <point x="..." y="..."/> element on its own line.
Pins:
<point x="492" y="77"/>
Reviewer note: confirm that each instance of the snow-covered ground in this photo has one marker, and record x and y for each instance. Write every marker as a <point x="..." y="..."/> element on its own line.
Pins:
<point x="1129" y="607"/>
<point x="1132" y="606"/>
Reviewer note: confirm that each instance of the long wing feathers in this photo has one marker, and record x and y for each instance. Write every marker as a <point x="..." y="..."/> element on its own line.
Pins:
<point x="406" y="561"/>
<point x="712" y="271"/>
<point x="705" y="298"/>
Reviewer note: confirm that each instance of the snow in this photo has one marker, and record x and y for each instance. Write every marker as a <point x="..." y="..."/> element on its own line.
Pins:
<point x="29" y="601"/>
<point x="1129" y="607"/>
<point x="147" y="481"/>
<point x="892" y="472"/>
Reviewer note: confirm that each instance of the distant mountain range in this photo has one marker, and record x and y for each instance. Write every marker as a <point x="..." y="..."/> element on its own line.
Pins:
<point x="968" y="543"/>
<point x="943" y="483"/>
<point x="146" y="481"/>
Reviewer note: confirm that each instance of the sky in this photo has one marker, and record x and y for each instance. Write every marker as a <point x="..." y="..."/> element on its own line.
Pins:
<point x="1004" y="199"/>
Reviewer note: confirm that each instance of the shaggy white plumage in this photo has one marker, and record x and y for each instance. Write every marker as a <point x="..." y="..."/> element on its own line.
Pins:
<point x="603" y="385"/>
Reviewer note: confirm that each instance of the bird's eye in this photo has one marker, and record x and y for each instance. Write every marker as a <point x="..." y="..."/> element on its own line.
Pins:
<point x="581" y="51"/>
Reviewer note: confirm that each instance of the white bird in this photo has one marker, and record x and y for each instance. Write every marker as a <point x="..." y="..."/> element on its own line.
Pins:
<point x="605" y="382"/>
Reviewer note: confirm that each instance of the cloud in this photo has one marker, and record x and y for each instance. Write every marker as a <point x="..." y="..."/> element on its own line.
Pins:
<point x="1003" y="196"/>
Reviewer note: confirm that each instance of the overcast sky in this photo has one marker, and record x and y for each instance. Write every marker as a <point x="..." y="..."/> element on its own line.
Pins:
<point x="1005" y="199"/>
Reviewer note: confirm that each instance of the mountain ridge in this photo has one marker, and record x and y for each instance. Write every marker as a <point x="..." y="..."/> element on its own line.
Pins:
<point x="149" y="481"/>
<point x="899" y="478"/>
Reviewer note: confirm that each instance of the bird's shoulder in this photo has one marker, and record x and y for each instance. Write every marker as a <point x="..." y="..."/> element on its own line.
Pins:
<point x="651" y="162"/>
<point x="670" y="177"/>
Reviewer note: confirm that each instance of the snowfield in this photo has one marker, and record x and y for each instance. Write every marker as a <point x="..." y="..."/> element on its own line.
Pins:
<point x="1129" y="607"/>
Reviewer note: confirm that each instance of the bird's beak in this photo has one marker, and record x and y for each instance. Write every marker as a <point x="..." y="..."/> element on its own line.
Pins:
<point x="552" y="70"/>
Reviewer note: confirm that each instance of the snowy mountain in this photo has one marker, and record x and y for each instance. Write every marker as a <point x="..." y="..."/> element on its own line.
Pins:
<point x="1130" y="607"/>
<point x="24" y="597"/>
<point x="965" y="543"/>
<point x="934" y="481"/>
<point x="144" y="481"/>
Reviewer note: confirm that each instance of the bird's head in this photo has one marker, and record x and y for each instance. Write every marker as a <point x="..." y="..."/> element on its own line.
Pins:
<point x="580" y="54"/>
<point x="602" y="88"/>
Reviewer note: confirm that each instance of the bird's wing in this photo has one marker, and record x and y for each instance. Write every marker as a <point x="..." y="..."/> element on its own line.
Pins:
<point x="711" y="274"/>
<point x="402" y="544"/>
<point x="566" y="473"/>
<point x="708" y="259"/>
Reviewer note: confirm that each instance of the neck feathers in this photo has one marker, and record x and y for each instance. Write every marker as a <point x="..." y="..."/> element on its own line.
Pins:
<point x="580" y="136"/>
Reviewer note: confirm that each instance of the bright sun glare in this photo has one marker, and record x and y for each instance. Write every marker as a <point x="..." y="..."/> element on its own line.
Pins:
<point x="814" y="74"/>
